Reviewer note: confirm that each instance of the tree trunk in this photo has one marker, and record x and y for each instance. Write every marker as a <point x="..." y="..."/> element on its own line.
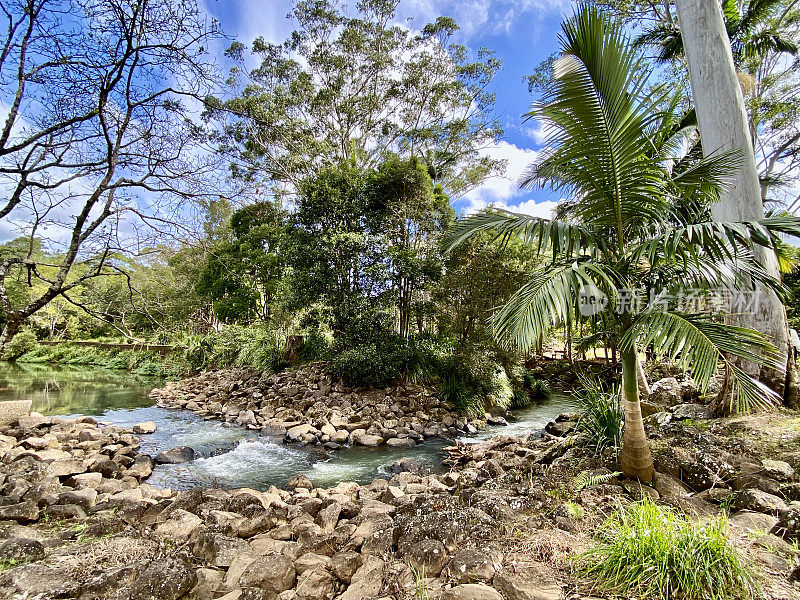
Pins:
<point x="635" y="459"/>
<point x="723" y="122"/>
<point x="641" y="378"/>
<point x="10" y="329"/>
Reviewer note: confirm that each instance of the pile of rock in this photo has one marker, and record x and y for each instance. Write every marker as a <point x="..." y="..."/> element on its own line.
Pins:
<point x="65" y="468"/>
<point x="310" y="407"/>
<point x="118" y="538"/>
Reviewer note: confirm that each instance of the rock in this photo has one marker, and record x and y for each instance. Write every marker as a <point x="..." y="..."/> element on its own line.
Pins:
<point x="165" y="579"/>
<point x="85" y="498"/>
<point x="753" y="522"/>
<point x="175" y="456"/>
<point x="408" y="465"/>
<point x="559" y="429"/>
<point x="21" y="550"/>
<point x="757" y="501"/>
<point x="682" y="412"/>
<point x="65" y="468"/>
<point x="471" y="591"/>
<point x="299" y="481"/>
<point x="344" y="565"/>
<point x="535" y="582"/>
<point x="668" y="486"/>
<point x="142" y="467"/>
<point x="145" y="428"/>
<point x="400" y="443"/>
<point x="273" y="573"/>
<point x="180" y="525"/>
<point x="666" y="392"/>
<point x="367" y="581"/>
<point x="471" y="566"/>
<point x="365" y="439"/>
<point x="217" y="549"/>
<point x="778" y="469"/>
<point x="427" y="556"/>
<point x="315" y="583"/>
<point x="22" y="512"/>
<point x="639" y="491"/>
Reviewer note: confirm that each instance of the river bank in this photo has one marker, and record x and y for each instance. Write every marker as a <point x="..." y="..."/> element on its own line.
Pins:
<point x="81" y="521"/>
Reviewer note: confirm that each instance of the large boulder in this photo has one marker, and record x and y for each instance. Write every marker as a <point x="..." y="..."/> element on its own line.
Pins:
<point x="175" y="456"/>
<point x="471" y="566"/>
<point x="472" y="591"/>
<point x="19" y="550"/>
<point x="666" y="392"/>
<point x="166" y="579"/>
<point x="273" y="573"/>
<point x="533" y="582"/>
<point x="427" y="556"/>
<point x="756" y="501"/>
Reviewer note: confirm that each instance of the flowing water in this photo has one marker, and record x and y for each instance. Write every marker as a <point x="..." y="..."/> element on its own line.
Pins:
<point x="227" y="456"/>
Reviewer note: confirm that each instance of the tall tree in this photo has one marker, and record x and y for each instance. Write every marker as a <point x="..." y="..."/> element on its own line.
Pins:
<point x="97" y="148"/>
<point x="723" y="122"/>
<point x="415" y="215"/>
<point x="360" y="88"/>
<point x="623" y="231"/>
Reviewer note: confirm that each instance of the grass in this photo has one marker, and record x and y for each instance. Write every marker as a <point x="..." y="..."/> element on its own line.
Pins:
<point x="419" y="581"/>
<point x="601" y="418"/>
<point x="649" y="551"/>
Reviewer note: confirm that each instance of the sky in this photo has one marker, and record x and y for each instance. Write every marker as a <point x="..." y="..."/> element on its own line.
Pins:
<point x="522" y="32"/>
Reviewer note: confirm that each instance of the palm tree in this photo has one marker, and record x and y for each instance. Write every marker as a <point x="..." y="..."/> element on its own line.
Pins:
<point x="751" y="26"/>
<point x="617" y="155"/>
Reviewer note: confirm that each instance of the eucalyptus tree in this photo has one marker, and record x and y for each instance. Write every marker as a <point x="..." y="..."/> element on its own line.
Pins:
<point x="359" y="86"/>
<point x="627" y="227"/>
<point x="98" y="151"/>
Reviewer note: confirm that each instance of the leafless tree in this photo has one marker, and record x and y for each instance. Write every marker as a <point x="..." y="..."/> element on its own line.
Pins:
<point x="99" y="146"/>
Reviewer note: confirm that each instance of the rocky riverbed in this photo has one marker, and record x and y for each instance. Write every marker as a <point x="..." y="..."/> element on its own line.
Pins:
<point x="310" y="407"/>
<point x="79" y="520"/>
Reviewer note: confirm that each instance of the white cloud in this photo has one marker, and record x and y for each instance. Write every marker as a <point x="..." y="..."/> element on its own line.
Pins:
<point x="503" y="187"/>
<point x="503" y="191"/>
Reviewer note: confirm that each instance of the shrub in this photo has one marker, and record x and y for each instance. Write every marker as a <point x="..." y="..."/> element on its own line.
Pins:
<point x="23" y="342"/>
<point x="369" y="365"/>
<point x="649" y="551"/>
<point x="601" y="419"/>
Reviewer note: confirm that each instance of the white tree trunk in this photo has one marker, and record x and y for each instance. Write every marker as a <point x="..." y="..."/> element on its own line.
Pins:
<point x="722" y="118"/>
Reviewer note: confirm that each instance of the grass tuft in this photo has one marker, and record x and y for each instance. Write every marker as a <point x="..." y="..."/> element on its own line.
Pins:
<point x="601" y="418"/>
<point x="649" y="551"/>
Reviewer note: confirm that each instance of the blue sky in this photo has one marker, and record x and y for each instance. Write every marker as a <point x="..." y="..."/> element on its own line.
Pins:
<point x="522" y="32"/>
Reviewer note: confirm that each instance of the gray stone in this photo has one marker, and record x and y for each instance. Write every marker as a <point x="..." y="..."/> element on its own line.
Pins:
<point x="22" y="512"/>
<point x="175" y="456"/>
<point x="471" y="591"/>
<point x="778" y="469"/>
<point x="273" y="573"/>
<point x="145" y="428"/>
<point x="400" y="443"/>
<point x="166" y="579"/>
<point x="757" y="501"/>
<point x="21" y="550"/>
<point x="427" y="556"/>
<point x="471" y="566"/>
<point x="534" y="582"/>
<point x="683" y="412"/>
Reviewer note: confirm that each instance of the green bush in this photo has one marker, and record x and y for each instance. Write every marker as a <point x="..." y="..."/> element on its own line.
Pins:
<point x="648" y="551"/>
<point x="370" y="365"/>
<point x="600" y="417"/>
<point x="23" y="342"/>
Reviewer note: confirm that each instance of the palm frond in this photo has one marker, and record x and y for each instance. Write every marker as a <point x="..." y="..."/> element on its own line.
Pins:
<point x="698" y="344"/>
<point x="564" y="239"/>
<point x="549" y="298"/>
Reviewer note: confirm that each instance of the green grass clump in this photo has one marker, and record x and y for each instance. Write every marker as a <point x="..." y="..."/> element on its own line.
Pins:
<point x="649" y="551"/>
<point x="601" y="419"/>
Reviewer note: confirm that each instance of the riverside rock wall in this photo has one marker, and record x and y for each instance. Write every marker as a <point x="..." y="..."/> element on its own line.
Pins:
<point x="78" y="521"/>
<point x="310" y="407"/>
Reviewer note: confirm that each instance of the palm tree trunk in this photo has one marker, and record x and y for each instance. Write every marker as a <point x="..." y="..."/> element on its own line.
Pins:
<point x="644" y="387"/>
<point x="724" y="125"/>
<point x="636" y="461"/>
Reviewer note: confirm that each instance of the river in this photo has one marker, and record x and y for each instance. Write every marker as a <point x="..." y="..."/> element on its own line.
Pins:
<point x="227" y="456"/>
